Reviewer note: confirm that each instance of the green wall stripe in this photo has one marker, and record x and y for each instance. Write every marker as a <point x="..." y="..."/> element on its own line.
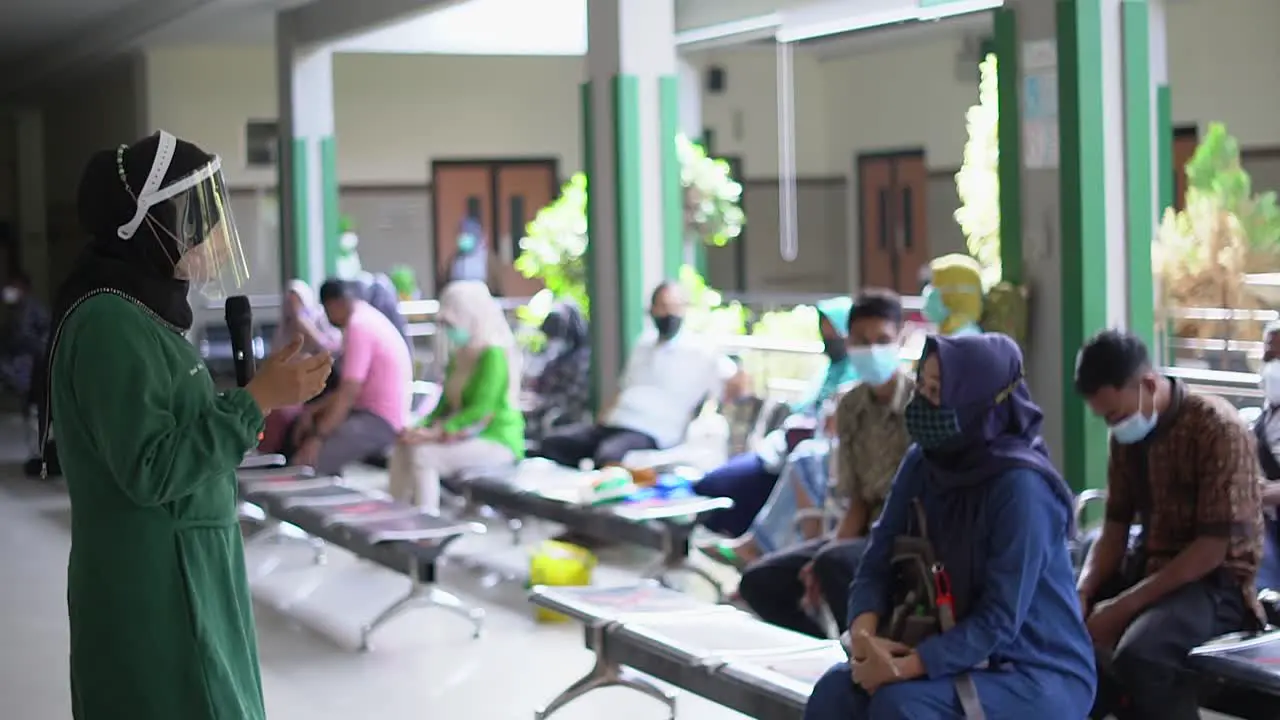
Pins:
<point x="1140" y="198"/>
<point x="589" y="257"/>
<point x="1166" y="181"/>
<point x="301" y="214"/>
<point x="329" y="196"/>
<point x="1164" y="145"/>
<point x="628" y="174"/>
<point x="1005" y="46"/>
<point x="1084" y="228"/>
<point x="672" y="193"/>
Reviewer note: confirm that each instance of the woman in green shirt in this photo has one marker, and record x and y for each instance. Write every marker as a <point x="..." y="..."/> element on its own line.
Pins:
<point x="478" y="422"/>
<point x="158" y="601"/>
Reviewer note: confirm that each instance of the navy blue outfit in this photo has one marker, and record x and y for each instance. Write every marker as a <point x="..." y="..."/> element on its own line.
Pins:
<point x="998" y="517"/>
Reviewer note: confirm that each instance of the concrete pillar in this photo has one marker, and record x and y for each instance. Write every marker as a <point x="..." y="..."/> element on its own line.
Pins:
<point x="1073" y="207"/>
<point x="635" y="211"/>
<point x="33" y="235"/>
<point x="308" y="186"/>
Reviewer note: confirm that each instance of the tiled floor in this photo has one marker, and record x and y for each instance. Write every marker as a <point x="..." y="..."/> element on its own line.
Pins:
<point x="423" y="665"/>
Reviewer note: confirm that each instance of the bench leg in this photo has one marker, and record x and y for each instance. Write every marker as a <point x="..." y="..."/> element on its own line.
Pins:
<point x="423" y="595"/>
<point x="607" y="673"/>
<point x="663" y="568"/>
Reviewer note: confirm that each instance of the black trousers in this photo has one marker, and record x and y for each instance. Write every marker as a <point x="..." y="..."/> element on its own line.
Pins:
<point x="602" y="445"/>
<point x="771" y="586"/>
<point x="1144" y="677"/>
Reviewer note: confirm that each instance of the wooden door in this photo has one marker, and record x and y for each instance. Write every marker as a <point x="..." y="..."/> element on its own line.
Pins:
<point x="876" y="201"/>
<point x="1185" y="140"/>
<point x="459" y="191"/>
<point x="522" y="190"/>
<point x="911" y="183"/>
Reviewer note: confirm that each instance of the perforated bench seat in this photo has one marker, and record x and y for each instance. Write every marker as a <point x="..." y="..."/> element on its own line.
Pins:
<point x="666" y="526"/>
<point x="372" y="527"/>
<point x="716" y="652"/>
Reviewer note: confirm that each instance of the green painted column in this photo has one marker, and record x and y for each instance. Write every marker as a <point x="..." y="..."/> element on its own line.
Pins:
<point x="1005" y="47"/>
<point x="1083" y="245"/>
<point x="631" y="104"/>
<point x="1140" y="145"/>
<point x="308" y="179"/>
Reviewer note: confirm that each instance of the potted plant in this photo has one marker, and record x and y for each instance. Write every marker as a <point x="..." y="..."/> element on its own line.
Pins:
<point x="1204" y="253"/>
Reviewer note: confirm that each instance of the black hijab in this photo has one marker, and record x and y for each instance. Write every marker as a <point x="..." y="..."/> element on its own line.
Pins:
<point x="141" y="267"/>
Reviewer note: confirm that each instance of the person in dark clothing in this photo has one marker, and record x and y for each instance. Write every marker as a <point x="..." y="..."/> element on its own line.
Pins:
<point x="997" y="515"/>
<point x="1183" y="467"/>
<point x="1267" y="432"/>
<point x="563" y="388"/>
<point x="25" y="336"/>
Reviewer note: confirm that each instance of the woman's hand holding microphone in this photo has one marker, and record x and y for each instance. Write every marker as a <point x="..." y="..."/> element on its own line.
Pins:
<point x="284" y="379"/>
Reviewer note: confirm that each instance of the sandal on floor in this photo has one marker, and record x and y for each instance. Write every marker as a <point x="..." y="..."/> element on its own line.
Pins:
<point x="724" y="554"/>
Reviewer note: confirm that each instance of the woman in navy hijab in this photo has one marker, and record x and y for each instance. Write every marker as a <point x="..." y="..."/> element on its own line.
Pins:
<point x="998" y="515"/>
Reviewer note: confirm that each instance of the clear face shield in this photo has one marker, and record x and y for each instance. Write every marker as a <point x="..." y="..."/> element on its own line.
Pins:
<point x="209" y="254"/>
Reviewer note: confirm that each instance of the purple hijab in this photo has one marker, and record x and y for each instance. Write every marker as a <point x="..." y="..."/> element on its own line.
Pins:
<point x="982" y="379"/>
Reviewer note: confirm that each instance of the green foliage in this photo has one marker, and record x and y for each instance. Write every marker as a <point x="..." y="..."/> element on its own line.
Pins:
<point x="712" y="198"/>
<point x="346" y="224"/>
<point x="708" y="314"/>
<point x="555" y="242"/>
<point x="1215" y="170"/>
<point x="405" y="280"/>
<point x="978" y="182"/>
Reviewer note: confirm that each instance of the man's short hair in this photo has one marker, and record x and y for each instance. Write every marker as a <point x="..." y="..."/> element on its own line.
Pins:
<point x="1112" y="358"/>
<point x="335" y="289"/>
<point x="877" y="304"/>
<point x="665" y="286"/>
<point x="1271" y="328"/>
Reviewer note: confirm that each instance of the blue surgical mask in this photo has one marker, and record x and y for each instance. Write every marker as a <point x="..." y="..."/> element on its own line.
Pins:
<point x="1136" y="427"/>
<point x="874" y="364"/>
<point x="457" y="336"/>
<point x="935" y="310"/>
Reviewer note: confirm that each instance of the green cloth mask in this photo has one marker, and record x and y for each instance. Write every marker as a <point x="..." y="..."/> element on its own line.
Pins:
<point x="466" y="242"/>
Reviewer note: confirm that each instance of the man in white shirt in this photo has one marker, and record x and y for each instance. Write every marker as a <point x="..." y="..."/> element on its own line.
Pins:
<point x="667" y="378"/>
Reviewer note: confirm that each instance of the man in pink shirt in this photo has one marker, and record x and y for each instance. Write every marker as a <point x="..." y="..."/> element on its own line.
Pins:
<point x="370" y="406"/>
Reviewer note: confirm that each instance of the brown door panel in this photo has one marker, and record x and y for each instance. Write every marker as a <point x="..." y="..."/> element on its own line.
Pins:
<point x="875" y="188"/>
<point x="459" y="191"/>
<point x="911" y="183"/>
<point x="1184" y="147"/>
<point x="523" y="190"/>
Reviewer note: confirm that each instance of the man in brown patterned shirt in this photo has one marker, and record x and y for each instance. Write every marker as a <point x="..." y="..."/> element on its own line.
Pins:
<point x="1183" y="469"/>
<point x="785" y="587"/>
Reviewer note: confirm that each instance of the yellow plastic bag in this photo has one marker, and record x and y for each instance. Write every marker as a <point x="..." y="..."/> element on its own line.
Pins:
<point x="559" y="564"/>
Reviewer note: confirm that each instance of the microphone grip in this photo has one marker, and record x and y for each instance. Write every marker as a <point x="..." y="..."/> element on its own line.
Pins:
<point x="244" y="363"/>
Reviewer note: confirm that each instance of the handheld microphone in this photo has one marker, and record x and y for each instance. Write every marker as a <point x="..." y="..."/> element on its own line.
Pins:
<point x="240" y="325"/>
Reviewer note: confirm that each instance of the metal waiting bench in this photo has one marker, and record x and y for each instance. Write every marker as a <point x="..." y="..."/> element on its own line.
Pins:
<point x="663" y="525"/>
<point x="370" y="526"/>
<point x="714" y="651"/>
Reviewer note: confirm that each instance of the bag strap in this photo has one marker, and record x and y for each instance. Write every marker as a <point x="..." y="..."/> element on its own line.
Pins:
<point x="969" y="700"/>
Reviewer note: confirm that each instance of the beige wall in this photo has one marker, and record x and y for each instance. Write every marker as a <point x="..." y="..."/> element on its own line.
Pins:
<point x="395" y="114"/>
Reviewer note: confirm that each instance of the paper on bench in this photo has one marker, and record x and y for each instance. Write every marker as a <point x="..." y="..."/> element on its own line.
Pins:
<point x="793" y="674"/>
<point x="271" y="473"/>
<point x="589" y="604"/>
<point x="316" y="497"/>
<point x="714" y="638"/>
<point x="367" y="510"/>
<point x="417" y="528"/>
<point x="254" y="460"/>
<point x="285" y="483"/>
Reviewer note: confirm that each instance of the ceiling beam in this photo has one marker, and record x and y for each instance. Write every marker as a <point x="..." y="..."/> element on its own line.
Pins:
<point x="105" y="39"/>
<point x="326" y="21"/>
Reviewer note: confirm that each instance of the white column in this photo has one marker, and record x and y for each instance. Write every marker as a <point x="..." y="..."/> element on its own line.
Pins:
<point x="631" y="116"/>
<point x="307" y="188"/>
<point x="1113" y="140"/>
<point x="691" y="125"/>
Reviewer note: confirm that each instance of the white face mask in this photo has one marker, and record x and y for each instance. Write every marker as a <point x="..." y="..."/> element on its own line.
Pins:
<point x="11" y="295"/>
<point x="1271" y="382"/>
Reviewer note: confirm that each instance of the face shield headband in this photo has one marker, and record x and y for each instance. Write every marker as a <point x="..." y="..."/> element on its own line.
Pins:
<point x="209" y="253"/>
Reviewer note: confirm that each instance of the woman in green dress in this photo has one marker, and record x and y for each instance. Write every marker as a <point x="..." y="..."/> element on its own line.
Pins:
<point x="478" y="422"/>
<point x="161" y="625"/>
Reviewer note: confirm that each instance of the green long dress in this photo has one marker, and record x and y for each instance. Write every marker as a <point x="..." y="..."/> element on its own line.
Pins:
<point x="161" y="623"/>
